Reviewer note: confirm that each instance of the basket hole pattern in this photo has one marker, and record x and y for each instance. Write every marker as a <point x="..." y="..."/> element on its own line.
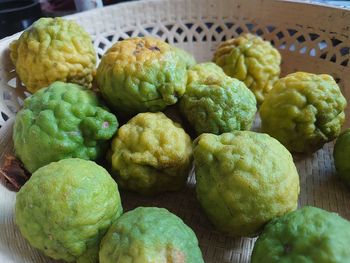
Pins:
<point x="179" y="32"/>
<point x="303" y="40"/>
<point x="12" y="95"/>
<point x="3" y="118"/>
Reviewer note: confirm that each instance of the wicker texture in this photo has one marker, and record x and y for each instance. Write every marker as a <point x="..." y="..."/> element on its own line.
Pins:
<point x="310" y="38"/>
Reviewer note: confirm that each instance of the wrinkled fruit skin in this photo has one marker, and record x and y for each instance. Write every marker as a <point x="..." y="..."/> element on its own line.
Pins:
<point x="142" y="74"/>
<point x="54" y="49"/>
<point x="62" y="121"/>
<point x="342" y="155"/>
<point x="66" y="207"/>
<point x="151" y="154"/>
<point x="252" y="60"/>
<point x="150" y="234"/>
<point x="303" y="111"/>
<point x="306" y="235"/>
<point x="216" y="103"/>
<point x="244" y="179"/>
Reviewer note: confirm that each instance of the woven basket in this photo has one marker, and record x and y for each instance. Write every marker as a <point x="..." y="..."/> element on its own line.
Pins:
<point x="310" y="37"/>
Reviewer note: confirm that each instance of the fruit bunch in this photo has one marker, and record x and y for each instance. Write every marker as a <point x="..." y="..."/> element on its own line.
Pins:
<point x="246" y="182"/>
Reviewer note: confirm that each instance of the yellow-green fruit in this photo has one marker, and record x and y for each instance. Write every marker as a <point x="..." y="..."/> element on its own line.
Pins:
<point x="53" y="49"/>
<point x="150" y="235"/>
<point x="244" y="179"/>
<point x="252" y="60"/>
<point x="66" y="207"/>
<point x="307" y="235"/>
<point x="185" y="56"/>
<point x="142" y="74"/>
<point x="342" y="155"/>
<point x="216" y="103"/>
<point x="303" y="111"/>
<point x="62" y="121"/>
<point x="151" y="154"/>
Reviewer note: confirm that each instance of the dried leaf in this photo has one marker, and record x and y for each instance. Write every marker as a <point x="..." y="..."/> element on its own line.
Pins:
<point x="13" y="174"/>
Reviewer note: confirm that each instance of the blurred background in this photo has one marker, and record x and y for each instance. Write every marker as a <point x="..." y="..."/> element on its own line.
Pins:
<point x="16" y="15"/>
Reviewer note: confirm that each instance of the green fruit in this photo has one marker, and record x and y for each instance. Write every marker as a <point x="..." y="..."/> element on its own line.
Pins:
<point x="244" y="179"/>
<point x="216" y="103"/>
<point x="308" y="235"/>
<point x="303" y="111"/>
<point x="252" y="60"/>
<point x="185" y="56"/>
<point x="62" y="121"/>
<point x="142" y="74"/>
<point x="342" y="155"/>
<point x="151" y="154"/>
<point x="66" y="207"/>
<point x="150" y="235"/>
<point x="54" y="49"/>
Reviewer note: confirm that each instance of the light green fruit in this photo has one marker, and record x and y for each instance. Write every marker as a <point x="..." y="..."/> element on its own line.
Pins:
<point x="54" y="49"/>
<point x="216" y="103"/>
<point x="342" y="155"/>
<point x="150" y="235"/>
<point x="66" y="207"/>
<point x="307" y="235"/>
<point x="185" y="56"/>
<point x="303" y="111"/>
<point x="142" y="74"/>
<point x="244" y="179"/>
<point x="62" y="121"/>
<point x="252" y="60"/>
<point x="151" y="154"/>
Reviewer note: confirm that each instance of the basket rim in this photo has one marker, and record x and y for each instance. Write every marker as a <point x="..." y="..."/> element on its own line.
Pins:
<point x="308" y="3"/>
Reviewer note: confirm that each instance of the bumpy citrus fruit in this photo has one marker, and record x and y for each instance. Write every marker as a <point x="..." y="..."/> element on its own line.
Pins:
<point x="252" y="60"/>
<point x="142" y="74"/>
<point x="150" y="234"/>
<point x="54" y="49"/>
<point x="342" y="155"/>
<point x="66" y="207"/>
<point x="303" y="111"/>
<point x="309" y="234"/>
<point x="61" y="121"/>
<point x="216" y="103"/>
<point x="244" y="179"/>
<point x="151" y="154"/>
<point x="185" y="56"/>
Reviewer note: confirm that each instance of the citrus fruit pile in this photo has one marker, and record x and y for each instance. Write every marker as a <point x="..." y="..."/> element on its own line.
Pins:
<point x="246" y="182"/>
